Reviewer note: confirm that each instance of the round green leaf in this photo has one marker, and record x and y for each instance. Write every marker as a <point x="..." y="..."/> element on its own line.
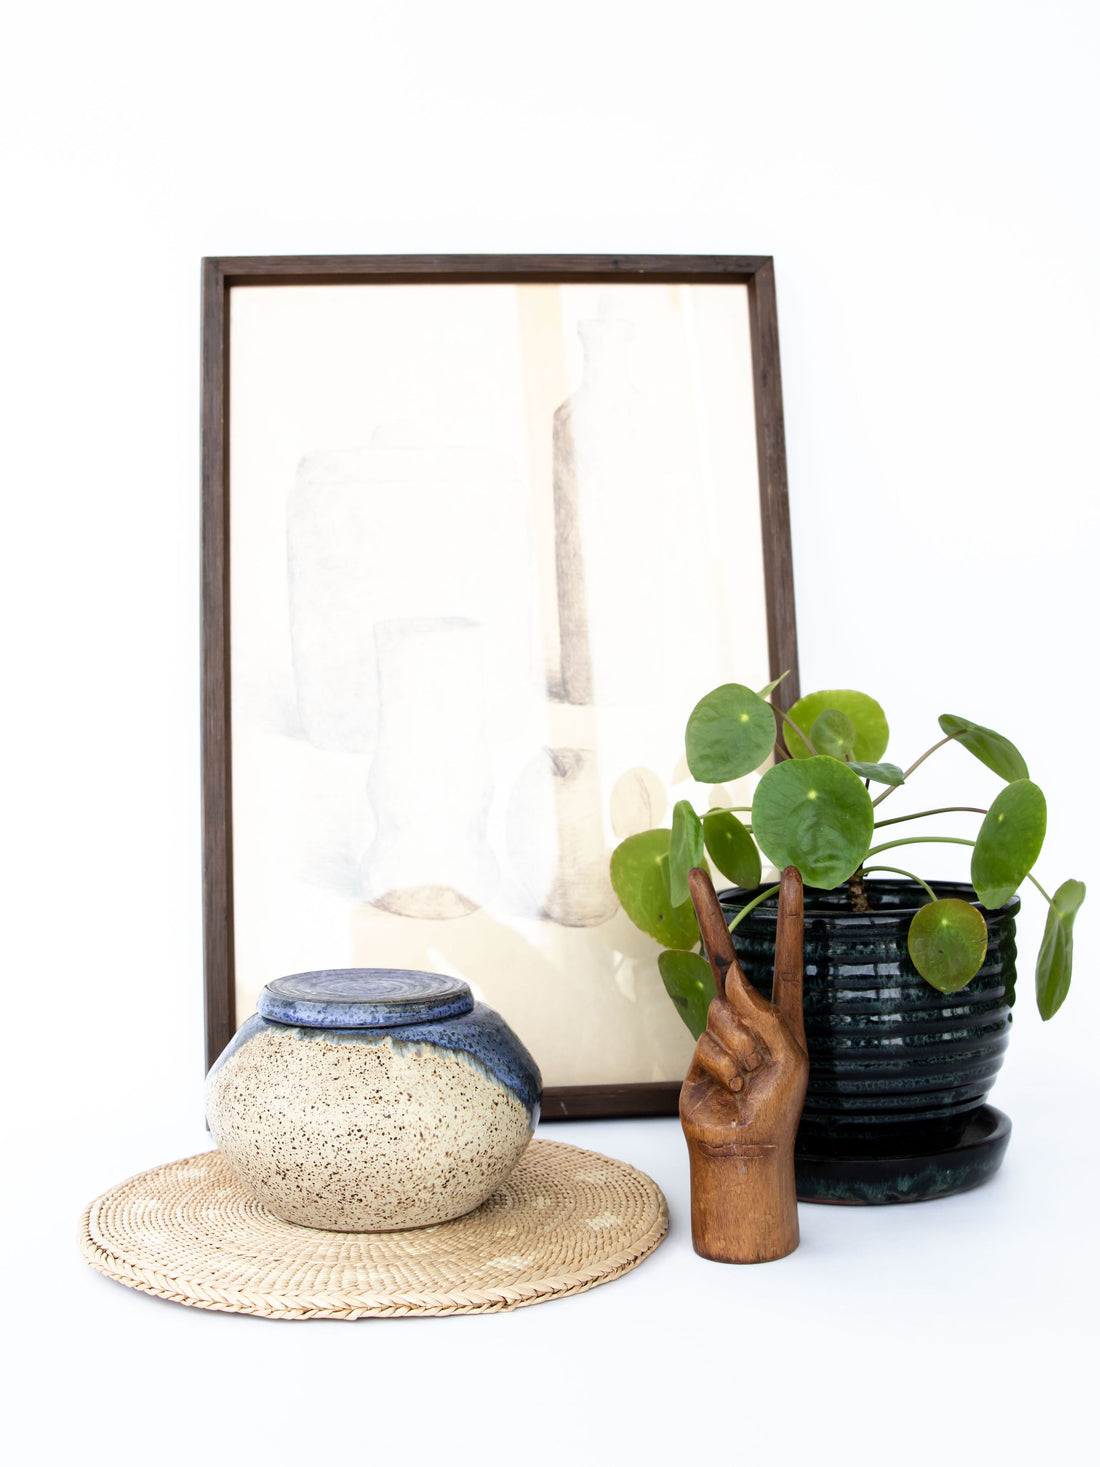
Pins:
<point x="880" y="773"/>
<point x="1054" y="968"/>
<point x="730" y="733"/>
<point x="732" y="848"/>
<point x="872" y="730"/>
<point x="833" y="733"/>
<point x="947" y="941"/>
<point x="1009" y="842"/>
<point x="690" y="985"/>
<point x="685" y="850"/>
<point x="642" y="887"/>
<point x="993" y="749"/>
<point x="816" y="815"/>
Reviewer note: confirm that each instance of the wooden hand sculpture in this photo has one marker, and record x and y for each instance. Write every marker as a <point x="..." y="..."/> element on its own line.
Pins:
<point x="742" y="1098"/>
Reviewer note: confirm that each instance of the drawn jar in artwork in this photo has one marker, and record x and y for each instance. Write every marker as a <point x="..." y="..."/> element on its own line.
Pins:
<point x="431" y="779"/>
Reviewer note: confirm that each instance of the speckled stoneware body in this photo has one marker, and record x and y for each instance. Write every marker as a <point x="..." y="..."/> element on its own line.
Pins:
<point x="899" y="1072"/>
<point x="365" y="1099"/>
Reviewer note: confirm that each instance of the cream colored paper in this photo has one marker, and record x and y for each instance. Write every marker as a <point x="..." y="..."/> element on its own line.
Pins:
<point x="489" y="545"/>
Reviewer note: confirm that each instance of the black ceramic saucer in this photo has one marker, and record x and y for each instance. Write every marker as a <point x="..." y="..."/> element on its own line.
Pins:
<point x="911" y="1175"/>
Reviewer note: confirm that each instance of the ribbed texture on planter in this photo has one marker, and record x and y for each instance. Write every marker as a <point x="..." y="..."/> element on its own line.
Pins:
<point x="891" y="1059"/>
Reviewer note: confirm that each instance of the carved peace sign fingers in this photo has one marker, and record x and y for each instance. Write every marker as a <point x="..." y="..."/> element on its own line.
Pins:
<point x="787" y="984"/>
<point x="712" y="926"/>
<point x="728" y="975"/>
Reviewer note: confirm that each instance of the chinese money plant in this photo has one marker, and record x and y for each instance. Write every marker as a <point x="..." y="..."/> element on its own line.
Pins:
<point x="818" y="808"/>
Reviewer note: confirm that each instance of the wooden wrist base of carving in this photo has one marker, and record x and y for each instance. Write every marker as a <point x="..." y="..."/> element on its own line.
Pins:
<point x="743" y="1204"/>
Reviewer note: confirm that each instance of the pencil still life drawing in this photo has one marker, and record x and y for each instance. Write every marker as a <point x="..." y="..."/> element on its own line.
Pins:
<point x="469" y="605"/>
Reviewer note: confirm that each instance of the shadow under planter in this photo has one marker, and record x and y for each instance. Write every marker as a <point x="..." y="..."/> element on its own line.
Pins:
<point x="895" y="1110"/>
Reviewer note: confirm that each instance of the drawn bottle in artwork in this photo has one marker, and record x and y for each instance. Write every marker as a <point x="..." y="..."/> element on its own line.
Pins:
<point x="430" y="782"/>
<point x="608" y="533"/>
<point x="556" y="838"/>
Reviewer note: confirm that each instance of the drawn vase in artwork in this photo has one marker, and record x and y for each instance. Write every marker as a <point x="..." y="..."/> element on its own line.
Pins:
<point x="431" y="780"/>
<point x="373" y="532"/>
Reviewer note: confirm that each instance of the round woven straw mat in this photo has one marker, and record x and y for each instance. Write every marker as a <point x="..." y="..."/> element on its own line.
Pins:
<point x="564" y="1221"/>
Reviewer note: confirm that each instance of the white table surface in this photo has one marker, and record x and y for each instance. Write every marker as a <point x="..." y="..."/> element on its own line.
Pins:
<point x="960" y="1331"/>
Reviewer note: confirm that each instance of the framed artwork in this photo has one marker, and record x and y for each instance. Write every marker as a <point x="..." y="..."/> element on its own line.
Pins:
<point x="478" y="532"/>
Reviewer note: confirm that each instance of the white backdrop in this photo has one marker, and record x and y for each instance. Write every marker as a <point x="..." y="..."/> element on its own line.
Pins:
<point x="925" y="177"/>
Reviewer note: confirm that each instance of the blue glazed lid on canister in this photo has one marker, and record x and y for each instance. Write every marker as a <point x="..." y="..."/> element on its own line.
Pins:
<point x="364" y="998"/>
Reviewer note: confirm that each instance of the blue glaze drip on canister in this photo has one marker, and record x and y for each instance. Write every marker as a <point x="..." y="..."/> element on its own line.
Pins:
<point x="480" y="1035"/>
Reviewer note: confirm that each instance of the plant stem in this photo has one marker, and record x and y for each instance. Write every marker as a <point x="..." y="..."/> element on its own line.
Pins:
<point x="943" y="810"/>
<point x="1040" y="890"/>
<point x="857" y="892"/>
<point x="804" y="737"/>
<point x="916" y="765"/>
<point x="919" y="840"/>
<point x="897" y="870"/>
<point x="744" y="912"/>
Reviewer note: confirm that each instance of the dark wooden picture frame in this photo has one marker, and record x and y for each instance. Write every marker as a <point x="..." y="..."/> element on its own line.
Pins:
<point x="220" y="277"/>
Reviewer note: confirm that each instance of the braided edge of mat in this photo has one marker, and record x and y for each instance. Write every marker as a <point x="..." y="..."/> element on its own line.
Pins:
<point x="370" y="1306"/>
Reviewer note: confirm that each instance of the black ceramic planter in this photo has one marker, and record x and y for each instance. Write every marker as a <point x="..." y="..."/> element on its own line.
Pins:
<point x="899" y="1073"/>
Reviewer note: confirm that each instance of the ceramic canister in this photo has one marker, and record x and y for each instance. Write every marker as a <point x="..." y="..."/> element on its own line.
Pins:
<point x="364" y="1099"/>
